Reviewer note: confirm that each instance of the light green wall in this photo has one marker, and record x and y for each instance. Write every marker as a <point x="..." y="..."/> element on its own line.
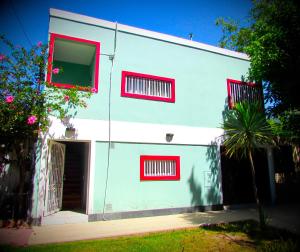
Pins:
<point x="125" y="191"/>
<point x="76" y="74"/>
<point x="200" y="77"/>
<point x="98" y="104"/>
<point x="36" y="180"/>
<point x="200" y="82"/>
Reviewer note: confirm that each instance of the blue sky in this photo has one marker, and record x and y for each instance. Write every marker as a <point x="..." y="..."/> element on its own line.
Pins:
<point x="177" y="17"/>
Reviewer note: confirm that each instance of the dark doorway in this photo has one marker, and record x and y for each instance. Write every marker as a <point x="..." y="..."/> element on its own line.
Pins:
<point x="237" y="179"/>
<point x="75" y="178"/>
<point x="287" y="178"/>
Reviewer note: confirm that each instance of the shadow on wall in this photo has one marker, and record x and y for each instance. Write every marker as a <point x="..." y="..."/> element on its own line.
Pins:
<point x="210" y="189"/>
<point x="212" y="179"/>
<point x="195" y="189"/>
<point x="213" y="157"/>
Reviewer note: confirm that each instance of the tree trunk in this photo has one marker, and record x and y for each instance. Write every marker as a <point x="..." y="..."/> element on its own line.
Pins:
<point x="262" y="221"/>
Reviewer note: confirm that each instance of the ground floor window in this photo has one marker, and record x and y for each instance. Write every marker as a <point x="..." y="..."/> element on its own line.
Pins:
<point x="159" y="167"/>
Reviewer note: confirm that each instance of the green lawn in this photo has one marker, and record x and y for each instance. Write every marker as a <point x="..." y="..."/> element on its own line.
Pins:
<point x="240" y="236"/>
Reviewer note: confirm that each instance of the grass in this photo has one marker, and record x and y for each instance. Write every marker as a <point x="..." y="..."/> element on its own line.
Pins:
<point x="238" y="236"/>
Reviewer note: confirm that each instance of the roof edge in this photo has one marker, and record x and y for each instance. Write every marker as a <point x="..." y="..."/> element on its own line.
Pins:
<point x="146" y="33"/>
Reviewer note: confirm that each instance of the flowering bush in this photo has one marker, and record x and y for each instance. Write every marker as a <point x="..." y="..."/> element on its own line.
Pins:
<point x="27" y="101"/>
<point x="9" y="99"/>
<point x="55" y="70"/>
<point x="31" y="119"/>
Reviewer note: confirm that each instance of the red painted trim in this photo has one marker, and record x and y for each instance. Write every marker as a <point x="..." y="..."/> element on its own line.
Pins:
<point x="250" y="84"/>
<point x="54" y="36"/>
<point x="229" y="94"/>
<point x="50" y="58"/>
<point x="242" y="83"/>
<point x="147" y="97"/>
<point x="150" y="157"/>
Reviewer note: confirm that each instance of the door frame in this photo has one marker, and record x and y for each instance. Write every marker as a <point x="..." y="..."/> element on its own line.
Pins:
<point x="87" y="171"/>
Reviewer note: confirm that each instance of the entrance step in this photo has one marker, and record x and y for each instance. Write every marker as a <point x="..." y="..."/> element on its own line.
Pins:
<point x="64" y="217"/>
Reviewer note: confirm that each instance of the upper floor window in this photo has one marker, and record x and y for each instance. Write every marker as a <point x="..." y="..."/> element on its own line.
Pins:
<point x="73" y="62"/>
<point x="159" y="167"/>
<point x="145" y="86"/>
<point x="239" y="91"/>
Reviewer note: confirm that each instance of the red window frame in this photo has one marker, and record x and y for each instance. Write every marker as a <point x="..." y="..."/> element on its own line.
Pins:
<point x="147" y="97"/>
<point x="143" y="158"/>
<point x="242" y="83"/>
<point x="54" y="36"/>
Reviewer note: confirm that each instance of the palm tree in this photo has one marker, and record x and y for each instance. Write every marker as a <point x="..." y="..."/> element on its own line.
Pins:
<point x="246" y="128"/>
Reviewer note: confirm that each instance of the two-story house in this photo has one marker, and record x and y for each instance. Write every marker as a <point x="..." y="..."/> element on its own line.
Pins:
<point x="148" y="142"/>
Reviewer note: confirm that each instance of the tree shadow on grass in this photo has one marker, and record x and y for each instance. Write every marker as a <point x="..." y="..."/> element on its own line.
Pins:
<point x="252" y="229"/>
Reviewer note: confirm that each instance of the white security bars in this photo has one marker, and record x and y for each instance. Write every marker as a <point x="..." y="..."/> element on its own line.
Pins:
<point x="159" y="167"/>
<point x="149" y="87"/>
<point x="242" y="91"/>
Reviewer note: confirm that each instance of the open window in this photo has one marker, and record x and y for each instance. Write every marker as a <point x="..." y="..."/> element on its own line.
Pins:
<point x="239" y="91"/>
<point x="77" y="60"/>
<point x="159" y="167"/>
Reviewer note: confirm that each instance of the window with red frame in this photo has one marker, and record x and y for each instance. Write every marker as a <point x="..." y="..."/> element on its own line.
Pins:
<point x="159" y="167"/>
<point x="239" y="91"/>
<point x="145" y="86"/>
<point x="73" y="62"/>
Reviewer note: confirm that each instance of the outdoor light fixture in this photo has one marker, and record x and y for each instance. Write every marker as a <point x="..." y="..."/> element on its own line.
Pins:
<point x="70" y="132"/>
<point x="169" y="137"/>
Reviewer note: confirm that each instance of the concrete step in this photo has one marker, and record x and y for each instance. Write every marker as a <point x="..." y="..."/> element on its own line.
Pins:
<point x="65" y="217"/>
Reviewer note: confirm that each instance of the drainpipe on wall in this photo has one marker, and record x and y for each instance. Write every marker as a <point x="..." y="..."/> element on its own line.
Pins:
<point x="112" y="58"/>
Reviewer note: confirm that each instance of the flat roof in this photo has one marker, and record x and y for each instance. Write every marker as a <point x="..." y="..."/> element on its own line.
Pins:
<point x="145" y="33"/>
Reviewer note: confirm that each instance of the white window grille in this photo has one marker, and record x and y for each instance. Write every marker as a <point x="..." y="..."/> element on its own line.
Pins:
<point x="153" y="168"/>
<point x="159" y="167"/>
<point x="149" y="87"/>
<point x="241" y="91"/>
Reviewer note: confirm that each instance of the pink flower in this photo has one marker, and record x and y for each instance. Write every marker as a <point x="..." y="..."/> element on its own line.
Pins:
<point x="39" y="44"/>
<point x="31" y="119"/>
<point x="93" y="90"/>
<point x="9" y="99"/>
<point x="2" y="57"/>
<point x="55" y="70"/>
<point x="66" y="98"/>
<point x="49" y="110"/>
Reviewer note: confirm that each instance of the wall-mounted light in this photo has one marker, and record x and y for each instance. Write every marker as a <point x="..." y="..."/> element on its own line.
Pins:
<point x="169" y="137"/>
<point x="70" y="132"/>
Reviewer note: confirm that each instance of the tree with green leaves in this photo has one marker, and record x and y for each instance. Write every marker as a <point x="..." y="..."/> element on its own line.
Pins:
<point x="245" y="129"/>
<point x="271" y="37"/>
<point x="26" y="104"/>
